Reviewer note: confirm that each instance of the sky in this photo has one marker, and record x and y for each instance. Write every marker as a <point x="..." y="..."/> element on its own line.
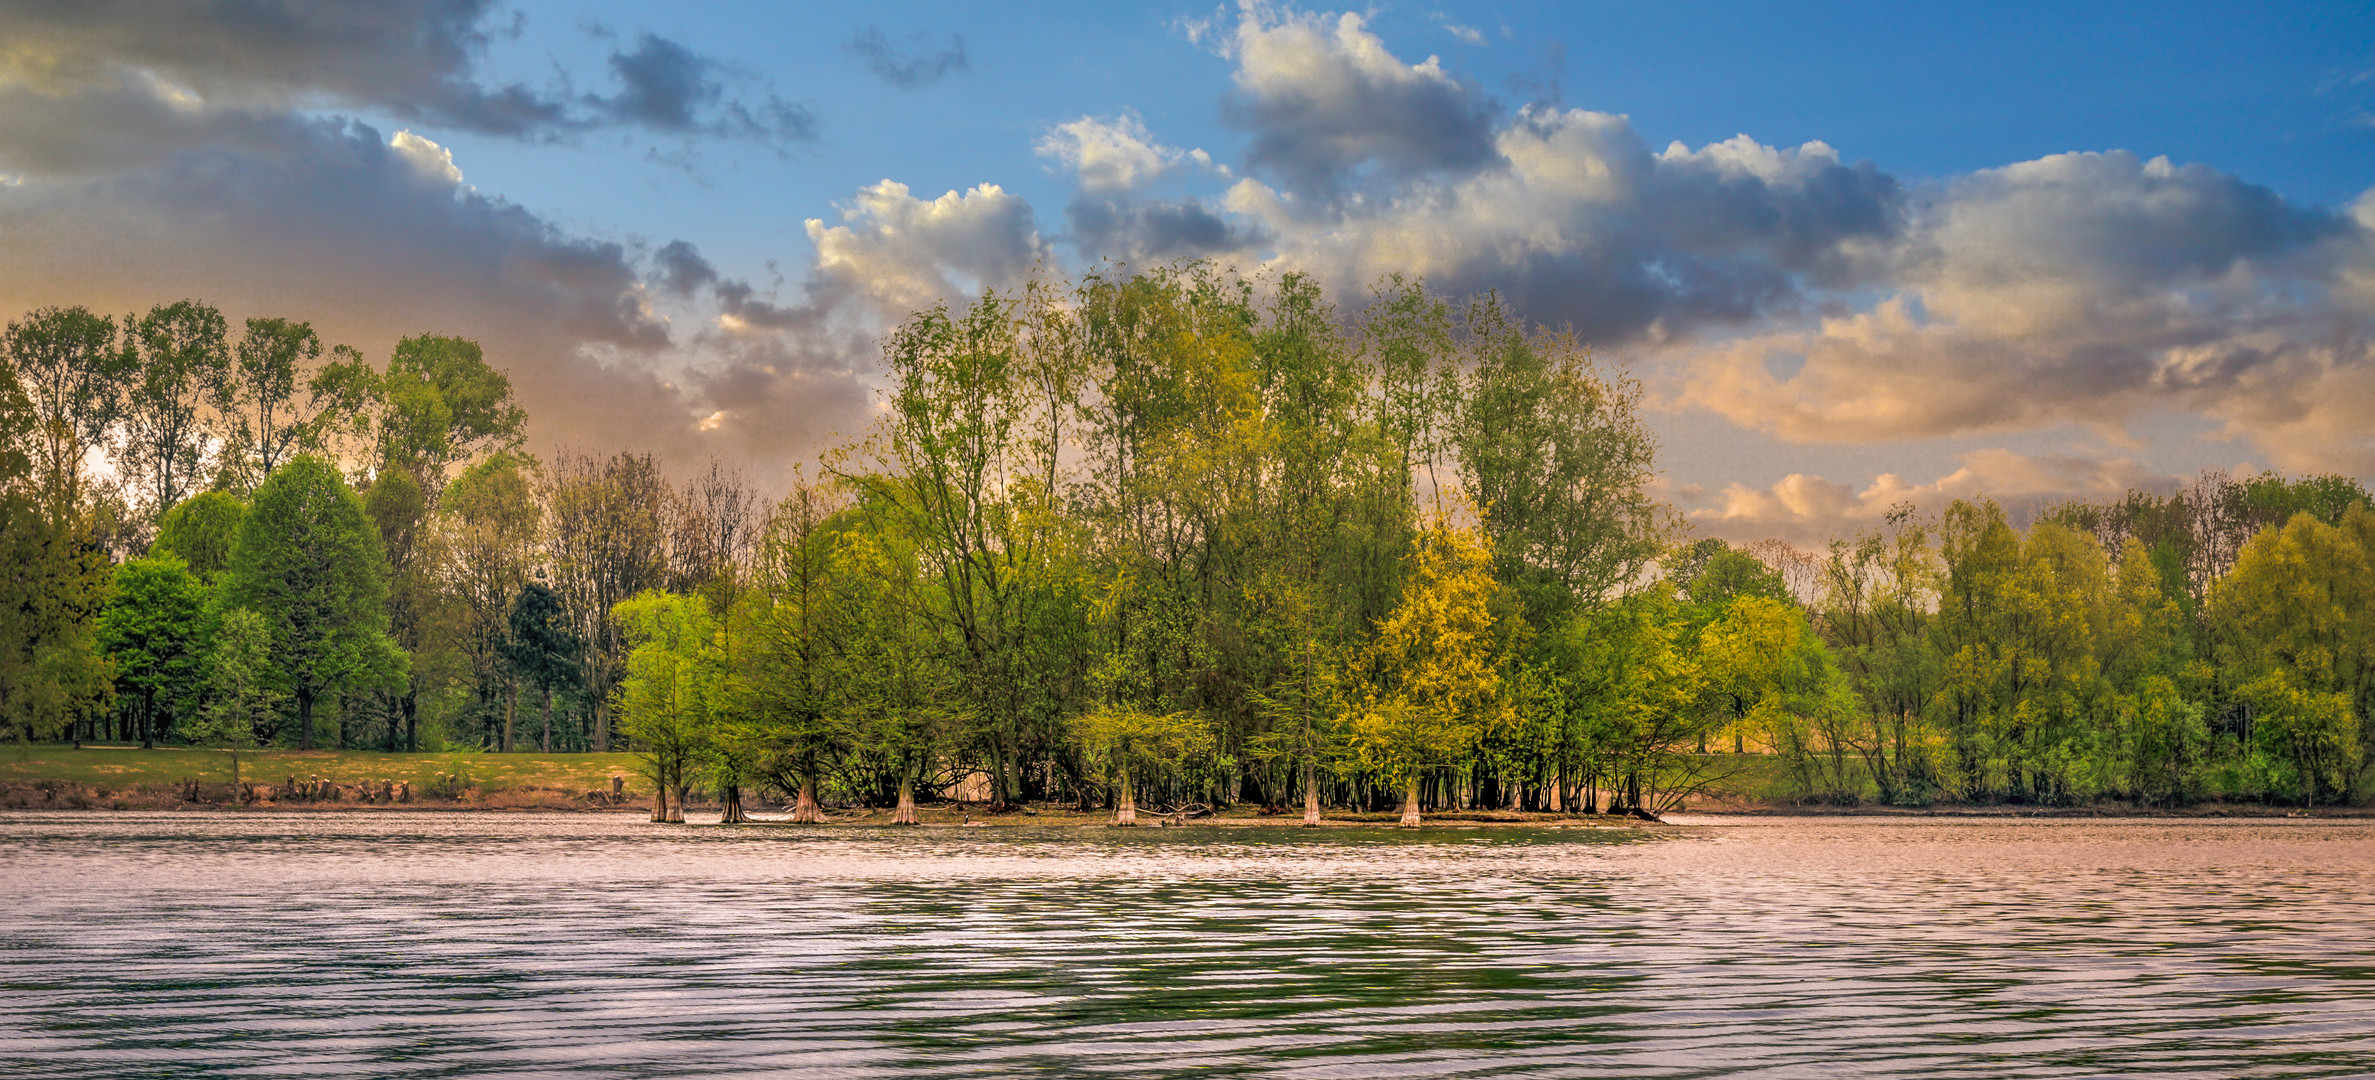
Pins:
<point x="1878" y="254"/>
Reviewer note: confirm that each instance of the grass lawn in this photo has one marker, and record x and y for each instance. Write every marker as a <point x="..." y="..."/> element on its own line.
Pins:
<point x="120" y="768"/>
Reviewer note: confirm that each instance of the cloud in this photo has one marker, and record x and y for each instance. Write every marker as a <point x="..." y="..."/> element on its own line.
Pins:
<point x="1143" y="231"/>
<point x="903" y="254"/>
<point x="1118" y="154"/>
<point x="414" y="59"/>
<point x="89" y="87"/>
<point x="680" y="269"/>
<point x="1468" y="35"/>
<point x="665" y="87"/>
<point x="426" y="157"/>
<point x="371" y="239"/>
<point x="908" y="68"/>
<point x="1326" y="105"/>
<point x="1584" y="225"/>
<point x="1811" y="511"/>
<point x="774" y="377"/>
<point x="1113" y="159"/>
<point x="160" y="151"/>
<point x="1788" y="289"/>
<point x="2085" y="288"/>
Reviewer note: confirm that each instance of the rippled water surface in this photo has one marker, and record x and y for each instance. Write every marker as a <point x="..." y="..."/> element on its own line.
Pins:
<point x="416" y="944"/>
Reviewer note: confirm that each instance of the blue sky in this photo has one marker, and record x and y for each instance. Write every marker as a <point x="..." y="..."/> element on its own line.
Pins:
<point x="2282" y="96"/>
<point x="1904" y="252"/>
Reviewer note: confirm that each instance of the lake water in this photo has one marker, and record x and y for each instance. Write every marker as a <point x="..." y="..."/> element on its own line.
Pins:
<point x="490" y="945"/>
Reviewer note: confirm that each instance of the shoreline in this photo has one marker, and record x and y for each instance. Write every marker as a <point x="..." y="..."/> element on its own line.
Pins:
<point x="102" y="777"/>
<point x="20" y="796"/>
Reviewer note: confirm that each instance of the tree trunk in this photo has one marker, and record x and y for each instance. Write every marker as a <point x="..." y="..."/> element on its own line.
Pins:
<point x="906" y="812"/>
<point x="412" y="721"/>
<point x="1310" y="796"/>
<point x="676" y="804"/>
<point x="804" y="809"/>
<point x="148" y="712"/>
<point x="304" y="718"/>
<point x="544" y="737"/>
<point x="511" y="704"/>
<point x="730" y="813"/>
<point x="1126" y="810"/>
<point x="659" y="797"/>
<point x="1410" y="801"/>
<point x="1556" y="800"/>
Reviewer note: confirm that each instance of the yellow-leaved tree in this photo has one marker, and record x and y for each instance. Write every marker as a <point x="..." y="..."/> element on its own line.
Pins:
<point x="1430" y="680"/>
<point x="1123" y="742"/>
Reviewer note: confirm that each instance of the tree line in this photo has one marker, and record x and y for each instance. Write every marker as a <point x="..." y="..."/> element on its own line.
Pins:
<point x="252" y="539"/>
<point x="1173" y="538"/>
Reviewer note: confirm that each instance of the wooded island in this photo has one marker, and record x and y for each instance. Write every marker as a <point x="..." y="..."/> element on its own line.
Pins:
<point x="1176" y="537"/>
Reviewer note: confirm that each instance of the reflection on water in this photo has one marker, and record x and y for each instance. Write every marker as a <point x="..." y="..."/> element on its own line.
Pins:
<point x="492" y="945"/>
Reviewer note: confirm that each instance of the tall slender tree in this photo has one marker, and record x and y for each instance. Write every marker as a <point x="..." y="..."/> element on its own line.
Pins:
<point x="184" y="374"/>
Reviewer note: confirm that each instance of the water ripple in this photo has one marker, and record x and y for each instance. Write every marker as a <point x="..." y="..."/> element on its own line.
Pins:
<point x="427" y="945"/>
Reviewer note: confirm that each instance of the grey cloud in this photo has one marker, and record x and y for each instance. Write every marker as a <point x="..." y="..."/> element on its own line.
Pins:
<point x="1119" y="226"/>
<point x="322" y="221"/>
<point x="416" y="59"/>
<point x="922" y="64"/>
<point x="681" y="269"/>
<point x="1328" y="108"/>
<point x="95" y="85"/>
<point x="1585" y="226"/>
<point x="2088" y="288"/>
<point x="668" y="88"/>
<point x="776" y="397"/>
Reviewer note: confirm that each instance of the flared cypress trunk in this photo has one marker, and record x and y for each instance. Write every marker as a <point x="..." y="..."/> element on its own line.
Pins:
<point x="805" y="810"/>
<point x="906" y="812"/>
<point x="659" y="799"/>
<point x="1410" y="801"/>
<point x="1310" y="796"/>
<point x="1125" y="810"/>
<point x="730" y="813"/>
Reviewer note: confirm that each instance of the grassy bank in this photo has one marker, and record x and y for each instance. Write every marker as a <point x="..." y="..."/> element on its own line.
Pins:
<point x="132" y="778"/>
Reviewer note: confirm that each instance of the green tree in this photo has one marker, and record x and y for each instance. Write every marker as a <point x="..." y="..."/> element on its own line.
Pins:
<point x="154" y="636"/>
<point x="1124" y="743"/>
<point x="969" y="451"/>
<point x="488" y="528"/>
<point x="674" y="691"/>
<point x="1555" y="457"/>
<point x="184" y="369"/>
<point x="74" y="378"/>
<point x="275" y="358"/>
<point x="200" y="530"/>
<point x="241" y="700"/>
<point x="607" y="542"/>
<point x="543" y="650"/>
<point x="52" y="675"/>
<point x="1879" y="599"/>
<point x="438" y="404"/>
<point x="309" y="561"/>
<point x="2295" y="625"/>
